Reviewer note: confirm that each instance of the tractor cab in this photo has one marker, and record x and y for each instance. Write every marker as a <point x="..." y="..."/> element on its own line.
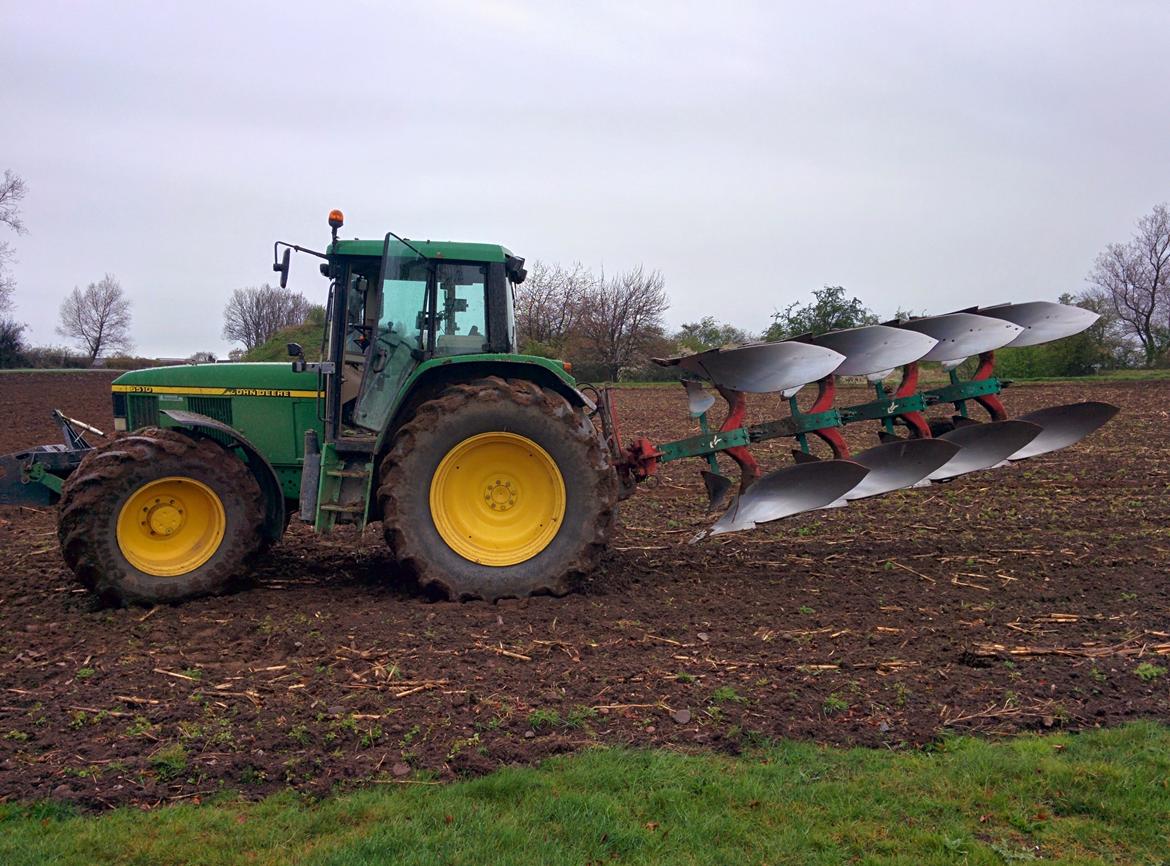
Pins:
<point x="397" y="304"/>
<point x="406" y="319"/>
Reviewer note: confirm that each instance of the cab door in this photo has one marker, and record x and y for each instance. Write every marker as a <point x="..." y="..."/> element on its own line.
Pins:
<point x="399" y="339"/>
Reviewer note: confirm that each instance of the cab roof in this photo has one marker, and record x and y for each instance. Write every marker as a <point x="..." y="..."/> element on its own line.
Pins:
<point x="431" y="249"/>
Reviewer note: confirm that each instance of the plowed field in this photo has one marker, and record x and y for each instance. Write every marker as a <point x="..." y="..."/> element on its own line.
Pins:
<point x="1030" y="597"/>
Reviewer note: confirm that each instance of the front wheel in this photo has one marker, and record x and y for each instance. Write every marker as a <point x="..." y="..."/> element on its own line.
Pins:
<point x="159" y="517"/>
<point x="497" y="489"/>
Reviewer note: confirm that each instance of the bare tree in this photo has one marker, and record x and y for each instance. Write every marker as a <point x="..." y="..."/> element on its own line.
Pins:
<point x="254" y="315"/>
<point x="622" y="316"/>
<point x="12" y="190"/>
<point x="98" y="319"/>
<point x="1135" y="279"/>
<point x="549" y="303"/>
<point x="203" y="358"/>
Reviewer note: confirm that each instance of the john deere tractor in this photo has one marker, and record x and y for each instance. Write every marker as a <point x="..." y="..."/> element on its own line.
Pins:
<point x="484" y="466"/>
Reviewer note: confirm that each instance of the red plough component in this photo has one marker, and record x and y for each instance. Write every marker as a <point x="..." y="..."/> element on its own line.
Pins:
<point x="990" y="402"/>
<point x="907" y="388"/>
<point x="831" y="436"/>
<point x="736" y="413"/>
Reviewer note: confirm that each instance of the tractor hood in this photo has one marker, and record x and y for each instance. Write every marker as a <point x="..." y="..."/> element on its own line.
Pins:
<point x="233" y="379"/>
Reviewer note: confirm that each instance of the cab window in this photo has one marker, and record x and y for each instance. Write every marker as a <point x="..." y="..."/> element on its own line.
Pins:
<point x="461" y="309"/>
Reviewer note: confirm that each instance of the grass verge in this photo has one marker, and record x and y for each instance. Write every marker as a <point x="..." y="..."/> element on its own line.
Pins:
<point x="1098" y="797"/>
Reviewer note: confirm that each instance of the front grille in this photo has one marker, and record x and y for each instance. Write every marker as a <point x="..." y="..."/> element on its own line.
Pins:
<point x="141" y="411"/>
<point x="219" y="408"/>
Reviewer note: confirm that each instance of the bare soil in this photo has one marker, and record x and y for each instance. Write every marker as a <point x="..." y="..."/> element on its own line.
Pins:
<point x="1031" y="597"/>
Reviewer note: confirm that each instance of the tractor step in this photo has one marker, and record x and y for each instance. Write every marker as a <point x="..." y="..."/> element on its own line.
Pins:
<point x="356" y="444"/>
<point x="347" y="473"/>
<point x="353" y="508"/>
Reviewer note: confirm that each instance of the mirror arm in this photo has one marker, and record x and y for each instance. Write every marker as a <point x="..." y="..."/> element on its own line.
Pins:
<point x="298" y="249"/>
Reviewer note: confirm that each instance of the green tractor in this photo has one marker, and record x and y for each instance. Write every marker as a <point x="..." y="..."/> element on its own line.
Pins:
<point x="482" y="464"/>
<point x="486" y="467"/>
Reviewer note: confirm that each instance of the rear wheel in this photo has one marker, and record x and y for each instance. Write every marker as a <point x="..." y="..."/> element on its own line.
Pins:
<point x="497" y="489"/>
<point x="159" y="517"/>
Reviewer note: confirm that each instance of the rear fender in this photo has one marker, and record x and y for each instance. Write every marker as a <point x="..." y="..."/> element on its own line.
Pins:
<point x="257" y="463"/>
<point x="433" y="376"/>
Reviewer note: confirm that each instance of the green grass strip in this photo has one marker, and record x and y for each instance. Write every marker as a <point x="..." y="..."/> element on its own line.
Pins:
<point x="1098" y="797"/>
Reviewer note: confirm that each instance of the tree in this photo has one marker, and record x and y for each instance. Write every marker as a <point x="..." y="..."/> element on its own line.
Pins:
<point x="253" y="315"/>
<point x="621" y="317"/>
<point x="12" y="190"/>
<point x="203" y="358"/>
<point x="549" y="304"/>
<point x="1134" y="277"/>
<point x="98" y="319"/>
<point x="11" y="343"/>
<point x="708" y="333"/>
<point x="830" y="311"/>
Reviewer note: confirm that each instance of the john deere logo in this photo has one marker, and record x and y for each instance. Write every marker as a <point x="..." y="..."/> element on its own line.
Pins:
<point x="256" y="392"/>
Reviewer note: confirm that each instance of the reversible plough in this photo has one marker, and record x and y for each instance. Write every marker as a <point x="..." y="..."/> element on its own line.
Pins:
<point x="930" y="451"/>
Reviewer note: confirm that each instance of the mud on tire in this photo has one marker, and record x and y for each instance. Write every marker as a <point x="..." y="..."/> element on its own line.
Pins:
<point x="491" y="405"/>
<point x="94" y="494"/>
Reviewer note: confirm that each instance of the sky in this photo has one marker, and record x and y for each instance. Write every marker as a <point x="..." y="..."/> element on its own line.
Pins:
<point x="925" y="155"/>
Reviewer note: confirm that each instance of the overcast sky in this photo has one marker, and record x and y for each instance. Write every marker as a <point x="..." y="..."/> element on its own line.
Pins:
<point x="924" y="155"/>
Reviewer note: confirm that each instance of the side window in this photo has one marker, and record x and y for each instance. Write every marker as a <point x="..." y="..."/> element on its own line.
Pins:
<point x="461" y="320"/>
<point x="356" y="342"/>
<point x="512" y="347"/>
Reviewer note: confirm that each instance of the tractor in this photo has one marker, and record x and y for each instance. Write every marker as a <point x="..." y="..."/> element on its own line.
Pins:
<point x="494" y="474"/>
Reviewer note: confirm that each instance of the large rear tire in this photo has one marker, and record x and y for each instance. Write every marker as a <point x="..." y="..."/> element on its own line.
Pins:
<point x="158" y="516"/>
<point x="497" y="489"/>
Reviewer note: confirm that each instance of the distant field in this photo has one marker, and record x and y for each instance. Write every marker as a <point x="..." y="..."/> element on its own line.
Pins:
<point x="929" y="377"/>
<point x="1110" y="376"/>
<point x="57" y="370"/>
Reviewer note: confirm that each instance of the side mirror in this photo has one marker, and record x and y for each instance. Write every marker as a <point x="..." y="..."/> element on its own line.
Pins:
<point x="281" y="267"/>
<point x="298" y="355"/>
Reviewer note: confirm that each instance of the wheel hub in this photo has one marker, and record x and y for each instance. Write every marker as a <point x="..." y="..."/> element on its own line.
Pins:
<point x="164" y="518"/>
<point x="501" y="495"/>
<point x="171" y="526"/>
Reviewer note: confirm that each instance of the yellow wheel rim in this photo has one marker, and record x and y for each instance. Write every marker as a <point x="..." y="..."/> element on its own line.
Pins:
<point x="171" y="526"/>
<point x="497" y="499"/>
